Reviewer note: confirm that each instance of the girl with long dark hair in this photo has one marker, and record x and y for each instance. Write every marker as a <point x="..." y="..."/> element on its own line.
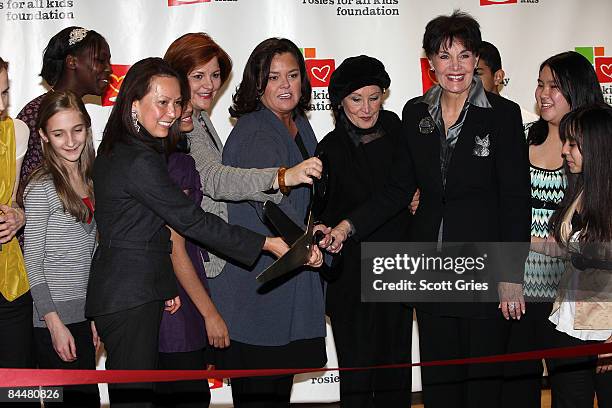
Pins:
<point x="566" y="81"/>
<point x="582" y="313"/>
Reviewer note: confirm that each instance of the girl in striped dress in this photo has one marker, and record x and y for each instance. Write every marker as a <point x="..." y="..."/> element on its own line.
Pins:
<point x="566" y="81"/>
<point x="60" y="239"/>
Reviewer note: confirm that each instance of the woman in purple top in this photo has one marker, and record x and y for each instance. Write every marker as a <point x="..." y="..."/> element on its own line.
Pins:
<point x="184" y="334"/>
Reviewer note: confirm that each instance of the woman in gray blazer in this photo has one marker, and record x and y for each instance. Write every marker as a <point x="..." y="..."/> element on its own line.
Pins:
<point x="207" y="66"/>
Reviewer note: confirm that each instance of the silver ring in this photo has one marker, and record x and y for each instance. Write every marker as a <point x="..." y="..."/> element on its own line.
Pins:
<point x="511" y="306"/>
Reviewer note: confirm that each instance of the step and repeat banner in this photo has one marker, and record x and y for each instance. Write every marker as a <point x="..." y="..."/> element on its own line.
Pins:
<point x="525" y="31"/>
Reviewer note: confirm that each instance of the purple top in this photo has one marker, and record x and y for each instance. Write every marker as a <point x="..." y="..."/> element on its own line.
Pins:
<point x="185" y="330"/>
<point x="33" y="156"/>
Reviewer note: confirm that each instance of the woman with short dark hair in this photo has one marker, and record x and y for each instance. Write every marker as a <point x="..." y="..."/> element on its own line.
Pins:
<point x="465" y="151"/>
<point x="280" y="324"/>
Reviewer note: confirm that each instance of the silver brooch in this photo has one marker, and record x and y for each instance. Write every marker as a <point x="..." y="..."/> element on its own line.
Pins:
<point x="426" y="125"/>
<point x="77" y="35"/>
<point x="481" y="146"/>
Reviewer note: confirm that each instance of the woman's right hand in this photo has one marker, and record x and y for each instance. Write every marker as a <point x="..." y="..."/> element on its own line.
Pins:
<point x="276" y="246"/>
<point x="216" y="330"/>
<point x="63" y="342"/>
<point x="11" y="221"/>
<point x="315" y="257"/>
<point x="303" y="172"/>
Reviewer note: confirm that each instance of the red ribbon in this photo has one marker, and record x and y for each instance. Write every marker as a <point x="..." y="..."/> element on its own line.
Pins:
<point x="15" y="377"/>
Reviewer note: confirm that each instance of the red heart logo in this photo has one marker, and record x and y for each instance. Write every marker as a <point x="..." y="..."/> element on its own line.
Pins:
<point x="606" y="69"/>
<point x="493" y="2"/>
<point x="319" y="71"/>
<point x="214" y="383"/>
<point x="603" y="68"/>
<point x="116" y="79"/>
<point x="182" y="2"/>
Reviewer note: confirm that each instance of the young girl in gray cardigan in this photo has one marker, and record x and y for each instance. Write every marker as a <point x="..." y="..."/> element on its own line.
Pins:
<point x="60" y="238"/>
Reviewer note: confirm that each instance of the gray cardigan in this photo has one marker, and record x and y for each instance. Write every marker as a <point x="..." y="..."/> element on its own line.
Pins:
<point x="293" y="310"/>
<point x="57" y="253"/>
<point x="221" y="182"/>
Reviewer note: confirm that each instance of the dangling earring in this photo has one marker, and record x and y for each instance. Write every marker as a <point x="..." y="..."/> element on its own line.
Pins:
<point x="135" y="121"/>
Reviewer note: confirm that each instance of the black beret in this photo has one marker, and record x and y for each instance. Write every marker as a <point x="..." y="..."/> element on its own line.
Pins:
<point x="355" y="73"/>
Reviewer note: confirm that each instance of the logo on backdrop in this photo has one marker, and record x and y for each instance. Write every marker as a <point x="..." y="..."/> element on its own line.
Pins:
<point x="603" y="68"/>
<point x="428" y="77"/>
<point x="499" y="2"/>
<point x="214" y="383"/>
<point x="319" y="72"/>
<point x="494" y="2"/>
<point x="116" y="79"/>
<point x="183" y="2"/>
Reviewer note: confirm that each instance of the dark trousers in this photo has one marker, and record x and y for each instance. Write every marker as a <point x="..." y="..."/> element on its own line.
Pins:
<point x="461" y="386"/>
<point x="86" y="395"/>
<point x="183" y="394"/>
<point x="16" y="332"/>
<point x="16" y="344"/>
<point x="262" y="392"/>
<point x="274" y="391"/>
<point x="367" y="334"/>
<point x="131" y="339"/>
<point x="523" y="379"/>
<point x="574" y="382"/>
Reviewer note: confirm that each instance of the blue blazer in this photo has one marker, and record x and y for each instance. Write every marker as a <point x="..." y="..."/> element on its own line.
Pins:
<point x="294" y="309"/>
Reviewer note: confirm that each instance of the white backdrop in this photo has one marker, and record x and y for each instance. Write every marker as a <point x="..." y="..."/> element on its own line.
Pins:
<point x="525" y="31"/>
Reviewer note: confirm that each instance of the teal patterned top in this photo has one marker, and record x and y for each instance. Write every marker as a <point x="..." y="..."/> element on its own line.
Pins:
<point x="547" y="188"/>
<point x="542" y="272"/>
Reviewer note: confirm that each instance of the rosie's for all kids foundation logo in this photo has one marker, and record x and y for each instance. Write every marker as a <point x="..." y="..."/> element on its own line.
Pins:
<point x="603" y="68"/>
<point x="500" y="2"/>
<point x="116" y="79"/>
<point x="494" y="2"/>
<point x="319" y="72"/>
<point x="214" y="383"/>
<point x="183" y="2"/>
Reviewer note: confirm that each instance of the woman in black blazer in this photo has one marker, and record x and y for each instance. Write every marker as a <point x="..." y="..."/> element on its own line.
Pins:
<point x="132" y="274"/>
<point x="464" y="149"/>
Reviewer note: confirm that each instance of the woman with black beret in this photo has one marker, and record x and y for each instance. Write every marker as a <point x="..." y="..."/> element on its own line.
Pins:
<point x="358" y="151"/>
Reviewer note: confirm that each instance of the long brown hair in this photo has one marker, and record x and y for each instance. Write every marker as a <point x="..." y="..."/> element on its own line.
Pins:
<point x="52" y="166"/>
<point x="590" y="127"/>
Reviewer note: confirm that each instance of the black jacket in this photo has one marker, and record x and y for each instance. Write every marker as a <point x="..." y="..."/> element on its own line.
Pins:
<point x="486" y="197"/>
<point x="135" y="199"/>
<point x="355" y="174"/>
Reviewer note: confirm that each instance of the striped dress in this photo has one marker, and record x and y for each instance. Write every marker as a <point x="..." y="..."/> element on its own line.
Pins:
<point x="58" y="251"/>
<point x="543" y="273"/>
